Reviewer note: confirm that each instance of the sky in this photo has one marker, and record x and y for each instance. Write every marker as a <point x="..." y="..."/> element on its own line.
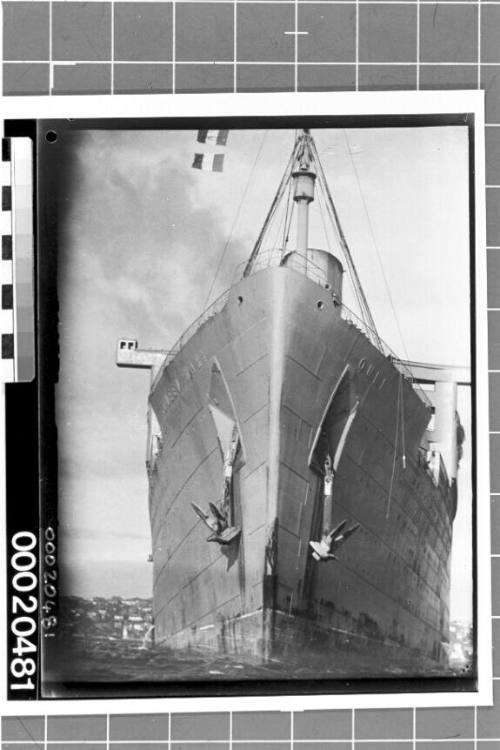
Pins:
<point x="142" y="237"/>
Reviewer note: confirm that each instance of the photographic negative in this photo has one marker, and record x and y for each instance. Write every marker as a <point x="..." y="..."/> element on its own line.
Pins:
<point x="261" y="448"/>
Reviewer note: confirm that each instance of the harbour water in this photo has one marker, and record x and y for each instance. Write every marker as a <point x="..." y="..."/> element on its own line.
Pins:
<point x="101" y="662"/>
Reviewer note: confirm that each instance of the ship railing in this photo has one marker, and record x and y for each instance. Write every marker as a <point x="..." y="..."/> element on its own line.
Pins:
<point x="293" y="260"/>
<point x="210" y="311"/>
<point x="297" y="262"/>
<point x="305" y="266"/>
<point x="355" y="320"/>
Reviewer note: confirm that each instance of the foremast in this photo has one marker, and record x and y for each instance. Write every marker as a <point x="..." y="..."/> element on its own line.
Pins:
<point x="303" y="191"/>
<point x="304" y="172"/>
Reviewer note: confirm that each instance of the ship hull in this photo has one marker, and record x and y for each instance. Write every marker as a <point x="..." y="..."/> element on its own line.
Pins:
<point x="282" y="364"/>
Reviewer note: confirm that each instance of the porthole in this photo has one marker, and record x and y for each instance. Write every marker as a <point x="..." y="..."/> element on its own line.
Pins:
<point x="320" y="304"/>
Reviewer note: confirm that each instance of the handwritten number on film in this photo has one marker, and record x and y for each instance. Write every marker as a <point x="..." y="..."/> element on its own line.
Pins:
<point x="24" y="606"/>
<point x="49" y="583"/>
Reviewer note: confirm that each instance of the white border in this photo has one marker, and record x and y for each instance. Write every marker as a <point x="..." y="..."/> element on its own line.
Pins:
<point x="276" y="104"/>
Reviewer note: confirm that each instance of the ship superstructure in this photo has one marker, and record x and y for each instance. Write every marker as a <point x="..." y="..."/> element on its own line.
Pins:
<point x="302" y="486"/>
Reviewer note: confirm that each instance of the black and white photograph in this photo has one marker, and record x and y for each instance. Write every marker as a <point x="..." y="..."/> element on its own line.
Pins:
<point x="263" y="475"/>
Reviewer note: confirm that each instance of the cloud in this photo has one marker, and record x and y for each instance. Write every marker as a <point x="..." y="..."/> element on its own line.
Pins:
<point x="137" y="252"/>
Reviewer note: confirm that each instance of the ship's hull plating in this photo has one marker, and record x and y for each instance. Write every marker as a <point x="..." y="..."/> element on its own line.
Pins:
<point x="281" y="362"/>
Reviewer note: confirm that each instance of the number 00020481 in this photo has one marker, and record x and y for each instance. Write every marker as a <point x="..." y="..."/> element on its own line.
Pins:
<point x="23" y="607"/>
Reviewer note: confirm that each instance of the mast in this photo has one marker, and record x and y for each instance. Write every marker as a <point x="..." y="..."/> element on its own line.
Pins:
<point x="303" y="195"/>
<point x="305" y="169"/>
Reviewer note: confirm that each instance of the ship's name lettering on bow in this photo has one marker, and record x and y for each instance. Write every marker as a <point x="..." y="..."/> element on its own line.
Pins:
<point x="187" y="372"/>
<point x="369" y="370"/>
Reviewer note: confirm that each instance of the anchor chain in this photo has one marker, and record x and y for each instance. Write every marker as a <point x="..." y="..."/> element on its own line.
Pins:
<point x="332" y="539"/>
<point x="219" y="519"/>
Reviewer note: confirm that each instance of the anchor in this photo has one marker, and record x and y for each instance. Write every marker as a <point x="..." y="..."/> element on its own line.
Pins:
<point x="324" y="550"/>
<point x="218" y="518"/>
<point x="330" y="540"/>
<point x="217" y="522"/>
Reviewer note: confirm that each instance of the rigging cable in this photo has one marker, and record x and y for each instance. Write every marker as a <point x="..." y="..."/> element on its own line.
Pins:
<point x="403" y="441"/>
<point x="396" y="436"/>
<point x="288" y="218"/>
<point x="332" y="238"/>
<point x="280" y="230"/>
<point x="352" y="275"/>
<point x="362" y="301"/>
<point x="322" y="208"/>
<point x="372" y="232"/>
<point x="272" y="210"/>
<point x="235" y="221"/>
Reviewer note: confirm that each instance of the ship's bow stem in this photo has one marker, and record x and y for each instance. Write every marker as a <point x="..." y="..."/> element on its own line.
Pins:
<point x="278" y="344"/>
<point x="304" y="179"/>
